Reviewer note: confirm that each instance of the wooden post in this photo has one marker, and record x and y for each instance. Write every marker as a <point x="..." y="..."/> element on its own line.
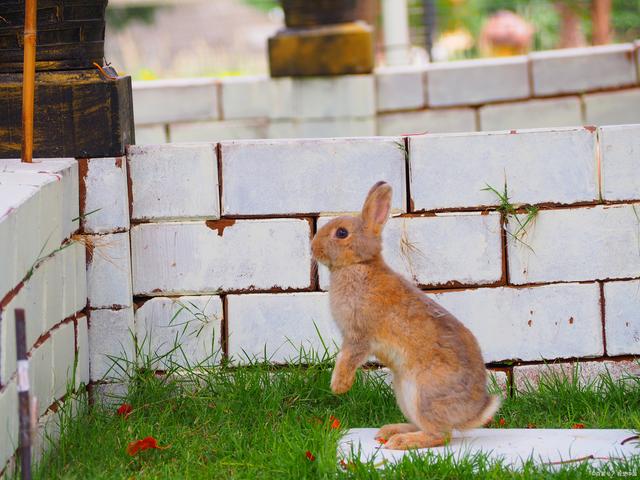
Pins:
<point x="23" y="396"/>
<point x="28" y="79"/>
<point x="601" y="18"/>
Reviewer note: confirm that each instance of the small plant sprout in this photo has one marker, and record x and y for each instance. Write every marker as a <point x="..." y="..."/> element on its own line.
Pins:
<point x="409" y="251"/>
<point x="510" y="211"/>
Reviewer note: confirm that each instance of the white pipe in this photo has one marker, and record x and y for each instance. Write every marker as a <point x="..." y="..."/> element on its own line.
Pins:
<point x="395" y="26"/>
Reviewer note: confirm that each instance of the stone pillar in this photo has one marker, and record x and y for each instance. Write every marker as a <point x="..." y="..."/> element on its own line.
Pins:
<point x="80" y="110"/>
<point x="322" y="37"/>
<point x="395" y="21"/>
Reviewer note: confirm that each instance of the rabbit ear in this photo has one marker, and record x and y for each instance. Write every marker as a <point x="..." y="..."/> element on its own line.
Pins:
<point x="377" y="206"/>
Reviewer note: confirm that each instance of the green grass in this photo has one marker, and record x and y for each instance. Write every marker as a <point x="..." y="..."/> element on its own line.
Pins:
<point x="258" y="422"/>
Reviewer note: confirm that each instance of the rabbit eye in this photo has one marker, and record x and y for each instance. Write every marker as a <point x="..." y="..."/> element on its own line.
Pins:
<point x="342" y="233"/>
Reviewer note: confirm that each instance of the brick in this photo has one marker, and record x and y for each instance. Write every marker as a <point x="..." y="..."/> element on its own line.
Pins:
<point x="451" y="171"/>
<point x="279" y="325"/>
<point x="498" y="382"/>
<point x="196" y="257"/>
<point x="53" y="295"/>
<point x="109" y="271"/>
<point x="333" y="128"/>
<point x="110" y="341"/>
<point x="620" y="160"/>
<point x="7" y="346"/>
<point x="164" y="101"/>
<point x="193" y="323"/>
<point x="444" y="120"/>
<point x="399" y="88"/>
<point x="105" y="202"/>
<point x="622" y="317"/>
<point x="537" y="323"/>
<point x="555" y="112"/>
<point x="306" y="176"/>
<point x="595" y="243"/>
<point x="442" y="250"/>
<point x="8" y="423"/>
<point x="526" y="376"/>
<point x="63" y="345"/>
<point x="41" y="375"/>
<point x="571" y="70"/>
<point x="209" y="131"/>
<point x="110" y="395"/>
<point x="174" y="181"/>
<point x="612" y="108"/>
<point x="328" y="97"/>
<point x="151" y="134"/>
<point x="77" y="250"/>
<point x="472" y="82"/>
<point x="82" y="340"/>
<point x="244" y="97"/>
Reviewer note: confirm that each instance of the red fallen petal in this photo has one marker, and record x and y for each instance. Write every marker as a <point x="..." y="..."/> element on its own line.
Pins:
<point x="125" y="409"/>
<point x="381" y="440"/>
<point x="309" y="456"/>
<point x="335" y="423"/>
<point x="144" y="444"/>
<point x="577" y="425"/>
<point x="502" y="422"/>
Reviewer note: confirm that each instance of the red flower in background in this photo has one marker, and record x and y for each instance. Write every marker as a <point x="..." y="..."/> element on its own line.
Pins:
<point x="144" y="444"/>
<point x="577" y="425"/>
<point x="125" y="410"/>
<point x="502" y="422"/>
<point x="309" y="456"/>
<point x="335" y="423"/>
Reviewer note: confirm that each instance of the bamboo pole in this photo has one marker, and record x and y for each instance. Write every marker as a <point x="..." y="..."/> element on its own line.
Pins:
<point x="28" y="79"/>
<point x="23" y="396"/>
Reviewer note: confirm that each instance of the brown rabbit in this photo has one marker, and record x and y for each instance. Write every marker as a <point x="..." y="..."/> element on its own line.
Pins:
<point x="439" y="377"/>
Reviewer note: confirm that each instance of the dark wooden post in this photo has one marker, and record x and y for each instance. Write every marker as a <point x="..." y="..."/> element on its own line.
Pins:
<point x="23" y="396"/>
<point x="83" y="108"/>
<point x="322" y="37"/>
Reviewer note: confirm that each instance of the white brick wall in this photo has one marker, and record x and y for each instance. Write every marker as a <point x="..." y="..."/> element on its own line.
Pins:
<point x="444" y="120"/>
<point x="164" y="101"/>
<point x="324" y="128"/>
<point x="105" y="207"/>
<point x="450" y="171"/>
<point x="279" y="325"/>
<point x="193" y="323"/>
<point x="82" y="332"/>
<point x="110" y="336"/>
<point x="8" y="423"/>
<point x="305" y="176"/>
<point x="399" y="88"/>
<point x="556" y="112"/>
<point x="622" y="317"/>
<point x="620" y="153"/>
<point x="208" y="131"/>
<point x="245" y="97"/>
<point x="109" y="271"/>
<point x="612" y="108"/>
<point x="151" y="134"/>
<point x="470" y="82"/>
<point x="63" y="345"/>
<point x="41" y="375"/>
<point x="578" y="244"/>
<point x="581" y="69"/>
<point x="446" y="249"/>
<point x="547" y="322"/>
<point x="174" y="181"/>
<point x="191" y="257"/>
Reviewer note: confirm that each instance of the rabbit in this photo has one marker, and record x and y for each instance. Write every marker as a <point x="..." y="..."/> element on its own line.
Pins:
<point x="439" y="377"/>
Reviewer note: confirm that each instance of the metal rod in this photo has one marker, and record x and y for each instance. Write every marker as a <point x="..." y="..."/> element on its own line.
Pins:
<point x="28" y="79"/>
<point x="23" y="396"/>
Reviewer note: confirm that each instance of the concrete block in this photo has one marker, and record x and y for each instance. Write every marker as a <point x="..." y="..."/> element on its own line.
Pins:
<point x="622" y="317"/>
<point x="451" y="171"/>
<point x="475" y="82"/>
<point x="306" y="176"/>
<point x="444" y="120"/>
<point x="612" y="108"/>
<point x="527" y="376"/>
<point x="8" y="423"/>
<point x="111" y="347"/>
<point x="198" y="257"/>
<point x="537" y="323"/>
<point x="543" y="113"/>
<point x="63" y="345"/>
<point x="620" y="162"/>
<point x="104" y="204"/>
<point x="174" y="181"/>
<point x="399" y="88"/>
<point x="77" y="250"/>
<point x="82" y="343"/>
<point x="245" y="97"/>
<point x="213" y="131"/>
<point x="164" y="101"/>
<point x="41" y="375"/>
<point x="460" y="249"/>
<point x="280" y="326"/>
<point x="571" y="70"/>
<point x="593" y="243"/>
<point x="337" y="127"/>
<point x="185" y="331"/>
<point x="151" y="134"/>
<point x="109" y="271"/>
